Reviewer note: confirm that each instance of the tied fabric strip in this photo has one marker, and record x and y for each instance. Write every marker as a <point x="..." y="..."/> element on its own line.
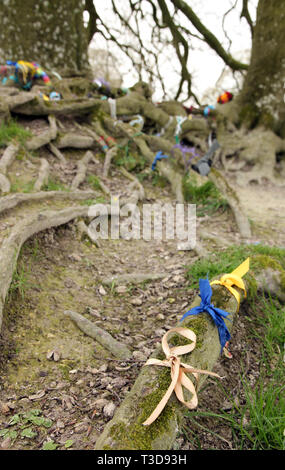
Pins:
<point x="178" y="372"/>
<point x="235" y="279"/>
<point x="217" y="314"/>
<point x="158" y="156"/>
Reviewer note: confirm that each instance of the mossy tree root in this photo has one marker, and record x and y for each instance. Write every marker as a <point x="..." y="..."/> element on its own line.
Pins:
<point x="21" y="232"/>
<point x="118" y="349"/>
<point x="231" y="196"/>
<point x="126" y="431"/>
<point x="12" y="200"/>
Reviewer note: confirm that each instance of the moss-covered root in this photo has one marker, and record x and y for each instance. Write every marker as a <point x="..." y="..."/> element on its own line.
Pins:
<point x="21" y="232"/>
<point x="231" y="196"/>
<point x="118" y="349"/>
<point x="126" y="431"/>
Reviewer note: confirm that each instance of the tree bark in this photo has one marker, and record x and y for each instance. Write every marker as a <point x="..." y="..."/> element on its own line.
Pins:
<point x="262" y="96"/>
<point x="49" y="32"/>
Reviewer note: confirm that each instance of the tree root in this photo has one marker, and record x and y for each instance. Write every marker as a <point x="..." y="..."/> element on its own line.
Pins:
<point x="119" y="350"/>
<point x="134" y="278"/>
<point x="126" y="431"/>
<point x="5" y="184"/>
<point x="56" y="152"/>
<point x="229" y="194"/>
<point x="81" y="170"/>
<point x="43" y="175"/>
<point x="109" y="155"/>
<point x="8" y="157"/>
<point x="45" y="138"/>
<point x="21" y="232"/>
<point x="13" y="200"/>
<point x="73" y="140"/>
<point x="83" y="230"/>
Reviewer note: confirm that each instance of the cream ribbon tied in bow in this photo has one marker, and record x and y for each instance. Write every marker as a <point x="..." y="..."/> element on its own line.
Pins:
<point x="179" y="378"/>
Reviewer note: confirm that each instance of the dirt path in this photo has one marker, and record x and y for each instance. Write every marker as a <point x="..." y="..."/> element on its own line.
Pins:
<point x="59" y="387"/>
<point x="265" y="206"/>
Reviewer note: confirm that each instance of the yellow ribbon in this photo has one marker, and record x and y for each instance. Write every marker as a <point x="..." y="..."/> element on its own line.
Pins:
<point x="235" y="279"/>
<point x="178" y="372"/>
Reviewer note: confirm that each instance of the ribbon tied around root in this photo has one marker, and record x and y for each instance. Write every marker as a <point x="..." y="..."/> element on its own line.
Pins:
<point x="178" y="369"/>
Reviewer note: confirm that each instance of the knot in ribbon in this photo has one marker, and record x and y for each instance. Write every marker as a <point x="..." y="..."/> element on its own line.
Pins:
<point x="235" y="279"/>
<point x="179" y="378"/>
<point x="217" y="314"/>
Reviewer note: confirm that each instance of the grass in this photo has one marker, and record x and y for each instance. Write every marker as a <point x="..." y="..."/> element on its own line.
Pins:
<point x="206" y="196"/>
<point x="257" y="422"/>
<point x="20" y="187"/>
<point x="227" y="260"/>
<point x="12" y="131"/>
<point x="19" y="282"/>
<point x="53" y="185"/>
<point x="94" y="181"/>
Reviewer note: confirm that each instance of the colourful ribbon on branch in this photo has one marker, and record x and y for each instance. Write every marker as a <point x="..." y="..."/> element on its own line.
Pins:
<point x="217" y="314"/>
<point x="159" y="156"/>
<point x="179" y="378"/>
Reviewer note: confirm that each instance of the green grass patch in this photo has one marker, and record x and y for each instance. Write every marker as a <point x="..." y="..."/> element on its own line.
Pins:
<point x="54" y="185"/>
<point x="94" y="181"/>
<point x="229" y="259"/>
<point x="12" y="131"/>
<point x="206" y="196"/>
<point x="21" y="187"/>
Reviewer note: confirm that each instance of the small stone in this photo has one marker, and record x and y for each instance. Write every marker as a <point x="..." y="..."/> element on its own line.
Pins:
<point x="121" y="289"/>
<point x="109" y="410"/>
<point x="160" y="316"/>
<point x="136" y="302"/>
<point x="6" y="443"/>
<point x="102" y="290"/>
<point x="139" y="356"/>
<point x="100" y="403"/>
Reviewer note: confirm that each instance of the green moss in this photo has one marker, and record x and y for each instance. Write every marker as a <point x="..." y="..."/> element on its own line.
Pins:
<point x="12" y="131"/>
<point x="136" y="436"/>
<point x="227" y="260"/>
<point x="261" y="262"/>
<point x="206" y="196"/>
<point x="249" y="115"/>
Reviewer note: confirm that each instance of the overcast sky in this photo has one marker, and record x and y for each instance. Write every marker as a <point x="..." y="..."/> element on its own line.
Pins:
<point x="205" y="65"/>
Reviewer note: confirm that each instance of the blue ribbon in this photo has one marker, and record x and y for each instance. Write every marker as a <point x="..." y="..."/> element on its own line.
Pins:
<point x="159" y="156"/>
<point x="217" y="314"/>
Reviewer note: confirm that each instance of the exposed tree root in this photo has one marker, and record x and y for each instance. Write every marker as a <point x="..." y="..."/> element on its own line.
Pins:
<point x="45" y="138"/>
<point x="5" y="184"/>
<point x="119" y="350"/>
<point x="231" y="196"/>
<point x="81" y="170"/>
<point x="8" y="157"/>
<point x="84" y="230"/>
<point x="126" y="431"/>
<point x="13" y="200"/>
<point x="43" y="175"/>
<point x="109" y="155"/>
<point x="56" y="152"/>
<point x="133" y="278"/>
<point x="21" y="232"/>
<point x="74" y="140"/>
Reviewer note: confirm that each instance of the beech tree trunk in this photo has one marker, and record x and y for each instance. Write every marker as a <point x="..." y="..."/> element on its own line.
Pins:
<point x="262" y="97"/>
<point x="50" y="32"/>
